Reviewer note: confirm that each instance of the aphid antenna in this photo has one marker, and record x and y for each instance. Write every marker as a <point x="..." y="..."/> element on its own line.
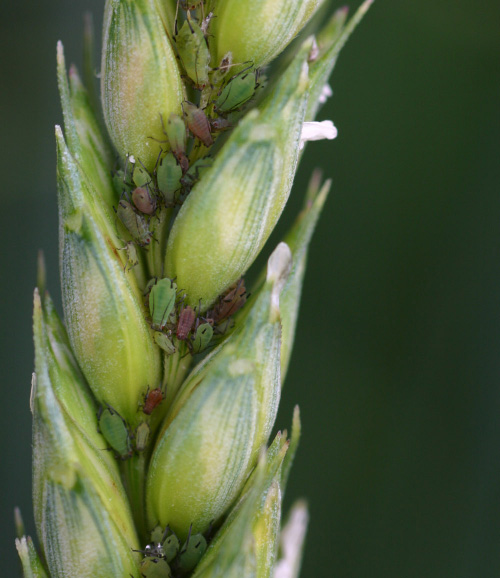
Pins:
<point x="208" y="533"/>
<point x="176" y="29"/>
<point x="242" y="72"/>
<point x="142" y="164"/>
<point x="158" y="159"/>
<point x="188" y="19"/>
<point x="157" y="139"/>
<point x="228" y="66"/>
<point x="168" y="532"/>
<point x="187" y="541"/>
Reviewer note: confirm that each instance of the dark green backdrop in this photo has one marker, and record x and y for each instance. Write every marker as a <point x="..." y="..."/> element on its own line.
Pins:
<point x="396" y="366"/>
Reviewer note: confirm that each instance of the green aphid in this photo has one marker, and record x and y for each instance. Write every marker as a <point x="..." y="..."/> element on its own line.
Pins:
<point x="194" y="52"/>
<point x="239" y="90"/>
<point x="202" y="337"/>
<point x="119" y="183"/>
<point x="142" y="436"/>
<point x="171" y="547"/>
<point x="149" y="285"/>
<point x="155" y="568"/>
<point x="168" y="546"/>
<point x="157" y="535"/>
<point x="141" y="177"/>
<point x="176" y="133"/>
<point x="161" y="302"/>
<point x="115" y="431"/>
<point x="191" y="552"/>
<point x="177" y="139"/>
<point x="132" y="255"/>
<point x="164" y="342"/>
<point x="169" y="175"/>
<point x="134" y="222"/>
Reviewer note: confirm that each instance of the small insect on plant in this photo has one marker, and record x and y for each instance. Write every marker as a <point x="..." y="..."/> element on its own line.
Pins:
<point x="238" y="90"/>
<point x="168" y="177"/>
<point x="134" y="222"/>
<point x="152" y="400"/>
<point x="175" y="131"/>
<point x="164" y="342"/>
<point x="193" y="52"/>
<point x="230" y="303"/>
<point x="185" y="323"/>
<point x="161" y="302"/>
<point x="191" y="552"/>
<point x="154" y="568"/>
<point x="198" y="123"/>
<point x="202" y="338"/>
<point x="132" y="255"/>
<point x="195" y="172"/>
<point x="115" y="431"/>
<point x="141" y="436"/>
<point x="164" y="544"/>
<point x="144" y="201"/>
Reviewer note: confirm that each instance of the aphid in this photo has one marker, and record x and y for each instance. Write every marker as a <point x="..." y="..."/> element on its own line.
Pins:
<point x="202" y="338"/>
<point x="168" y="176"/>
<point x="164" y="542"/>
<point x="220" y="124"/>
<point x="134" y="222"/>
<point x="142" y="436"/>
<point x="141" y="177"/>
<point x="191" y="552"/>
<point x="230" y="303"/>
<point x="185" y="323"/>
<point x="194" y="52"/>
<point x="176" y="135"/>
<point x="197" y="123"/>
<point x="132" y="256"/>
<point x="152" y="567"/>
<point x="191" y="4"/>
<point x="220" y="72"/>
<point x="238" y="90"/>
<point x="157" y="535"/>
<point x="164" y="342"/>
<point x="152" y="400"/>
<point x="195" y="172"/>
<point x="144" y="200"/>
<point x="115" y="431"/>
<point x="171" y="547"/>
<point x="161" y="302"/>
<point x="119" y="183"/>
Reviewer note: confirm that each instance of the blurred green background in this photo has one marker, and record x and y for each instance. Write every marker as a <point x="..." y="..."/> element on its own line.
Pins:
<point x="396" y="366"/>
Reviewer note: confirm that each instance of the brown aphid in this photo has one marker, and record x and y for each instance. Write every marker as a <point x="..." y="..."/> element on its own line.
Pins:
<point x="220" y="124"/>
<point x="182" y="160"/>
<point x="186" y="321"/>
<point x="198" y="123"/>
<point x="152" y="400"/>
<point x="231" y="302"/>
<point x="144" y="201"/>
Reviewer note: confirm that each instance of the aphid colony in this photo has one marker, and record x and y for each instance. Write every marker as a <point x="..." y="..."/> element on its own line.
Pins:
<point x="215" y="97"/>
<point x="165" y="555"/>
<point x="116" y="431"/>
<point x="148" y="200"/>
<point x="176" y="325"/>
